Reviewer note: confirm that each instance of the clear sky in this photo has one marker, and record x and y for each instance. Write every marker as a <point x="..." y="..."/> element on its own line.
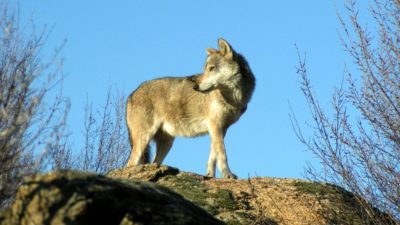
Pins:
<point x="124" y="43"/>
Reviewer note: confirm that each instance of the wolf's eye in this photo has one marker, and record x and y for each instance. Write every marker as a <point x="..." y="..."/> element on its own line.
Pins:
<point x="211" y="68"/>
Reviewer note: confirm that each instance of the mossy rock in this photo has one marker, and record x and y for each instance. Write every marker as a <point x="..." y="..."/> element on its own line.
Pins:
<point x="71" y="197"/>
<point x="341" y="206"/>
<point x="193" y="189"/>
<point x="255" y="200"/>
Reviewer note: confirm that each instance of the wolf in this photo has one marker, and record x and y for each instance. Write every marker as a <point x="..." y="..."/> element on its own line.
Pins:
<point x="209" y="102"/>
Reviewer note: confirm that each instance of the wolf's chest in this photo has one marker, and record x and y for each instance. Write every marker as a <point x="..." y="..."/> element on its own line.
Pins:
<point x="224" y="112"/>
<point x="185" y="127"/>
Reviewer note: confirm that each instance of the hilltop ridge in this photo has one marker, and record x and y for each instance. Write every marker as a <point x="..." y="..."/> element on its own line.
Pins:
<point x="258" y="200"/>
<point x="152" y="194"/>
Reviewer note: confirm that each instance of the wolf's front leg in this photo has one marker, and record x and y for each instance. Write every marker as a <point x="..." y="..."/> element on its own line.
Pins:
<point x="212" y="161"/>
<point x="218" y="147"/>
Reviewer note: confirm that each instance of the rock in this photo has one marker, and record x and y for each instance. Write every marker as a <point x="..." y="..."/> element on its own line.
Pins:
<point x="256" y="200"/>
<point x="125" y="196"/>
<point x="71" y="197"/>
<point x="148" y="172"/>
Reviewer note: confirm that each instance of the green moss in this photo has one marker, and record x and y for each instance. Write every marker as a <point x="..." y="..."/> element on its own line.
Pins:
<point x="342" y="207"/>
<point x="3" y="215"/>
<point x="329" y="192"/>
<point x="233" y="222"/>
<point x="189" y="187"/>
<point x="194" y="190"/>
<point x="243" y="218"/>
<point x="314" y="188"/>
<point x="224" y="199"/>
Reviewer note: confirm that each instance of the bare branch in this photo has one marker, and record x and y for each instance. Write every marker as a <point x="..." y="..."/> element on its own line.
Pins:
<point x="360" y="151"/>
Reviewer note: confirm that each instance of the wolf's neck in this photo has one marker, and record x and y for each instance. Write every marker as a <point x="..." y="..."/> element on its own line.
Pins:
<point x="235" y="94"/>
<point x="239" y="93"/>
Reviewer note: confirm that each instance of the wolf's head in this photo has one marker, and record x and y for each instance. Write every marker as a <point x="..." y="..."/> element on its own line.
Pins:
<point x="221" y="68"/>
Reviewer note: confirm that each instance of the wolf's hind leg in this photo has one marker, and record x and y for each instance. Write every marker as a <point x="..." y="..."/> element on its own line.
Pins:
<point x="140" y="144"/>
<point x="164" y="143"/>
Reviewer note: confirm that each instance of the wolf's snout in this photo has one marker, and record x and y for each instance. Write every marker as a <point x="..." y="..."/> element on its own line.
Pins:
<point x="196" y="87"/>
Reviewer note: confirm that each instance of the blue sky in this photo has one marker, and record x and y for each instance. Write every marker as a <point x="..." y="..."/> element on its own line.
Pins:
<point x="124" y="43"/>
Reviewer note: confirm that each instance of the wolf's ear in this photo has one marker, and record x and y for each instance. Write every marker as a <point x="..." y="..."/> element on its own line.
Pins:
<point x="210" y="51"/>
<point x="225" y="48"/>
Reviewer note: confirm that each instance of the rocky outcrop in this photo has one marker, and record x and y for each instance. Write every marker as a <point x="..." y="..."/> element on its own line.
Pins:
<point x="71" y="197"/>
<point x="152" y="194"/>
<point x="257" y="200"/>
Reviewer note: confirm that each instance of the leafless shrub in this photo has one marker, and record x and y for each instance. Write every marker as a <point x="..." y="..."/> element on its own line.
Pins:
<point x="359" y="144"/>
<point x="33" y="133"/>
<point x="106" y="145"/>
<point x="29" y="127"/>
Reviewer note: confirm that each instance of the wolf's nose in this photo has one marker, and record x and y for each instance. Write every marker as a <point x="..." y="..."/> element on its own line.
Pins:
<point x="196" y="87"/>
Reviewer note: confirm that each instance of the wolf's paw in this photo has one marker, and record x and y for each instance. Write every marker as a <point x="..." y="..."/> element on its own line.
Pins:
<point x="210" y="174"/>
<point x="230" y="175"/>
